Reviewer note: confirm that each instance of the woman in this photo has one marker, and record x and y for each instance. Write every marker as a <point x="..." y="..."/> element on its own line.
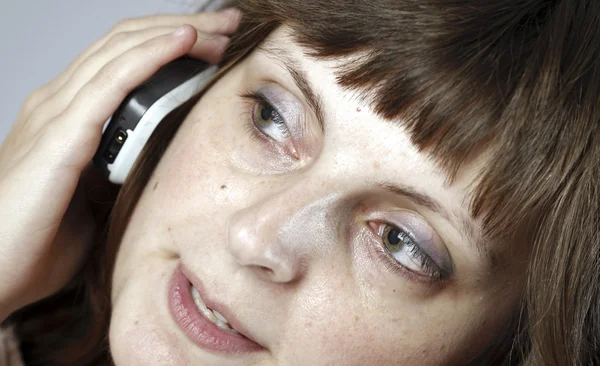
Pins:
<point x="384" y="182"/>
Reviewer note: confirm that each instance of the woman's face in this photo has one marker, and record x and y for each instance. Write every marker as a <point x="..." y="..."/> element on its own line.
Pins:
<point x="315" y="227"/>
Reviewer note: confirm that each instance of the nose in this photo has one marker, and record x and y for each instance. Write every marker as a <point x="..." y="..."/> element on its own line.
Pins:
<point x="276" y="236"/>
<point x="255" y="240"/>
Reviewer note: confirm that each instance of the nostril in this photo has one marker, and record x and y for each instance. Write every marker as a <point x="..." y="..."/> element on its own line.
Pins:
<point x="266" y="270"/>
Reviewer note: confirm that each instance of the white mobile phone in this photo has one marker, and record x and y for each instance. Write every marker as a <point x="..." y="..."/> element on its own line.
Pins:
<point x="127" y="131"/>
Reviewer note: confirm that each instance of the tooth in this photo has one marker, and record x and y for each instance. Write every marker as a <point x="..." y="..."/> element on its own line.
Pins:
<point x="224" y="326"/>
<point x="199" y="303"/>
<point x="202" y="307"/>
<point x="220" y="316"/>
<point x="195" y="293"/>
<point x="221" y="325"/>
<point x="210" y="315"/>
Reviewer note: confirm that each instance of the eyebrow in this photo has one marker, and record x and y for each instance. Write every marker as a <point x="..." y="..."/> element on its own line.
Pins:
<point x="461" y="222"/>
<point x="299" y="76"/>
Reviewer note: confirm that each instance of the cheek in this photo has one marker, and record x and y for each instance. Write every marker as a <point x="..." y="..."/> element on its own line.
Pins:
<point x="331" y="327"/>
<point x="199" y="161"/>
<point x="197" y="164"/>
<point x="193" y="186"/>
<point x="331" y="319"/>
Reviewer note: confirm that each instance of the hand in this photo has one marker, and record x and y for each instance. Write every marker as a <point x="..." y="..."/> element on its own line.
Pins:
<point x="46" y="223"/>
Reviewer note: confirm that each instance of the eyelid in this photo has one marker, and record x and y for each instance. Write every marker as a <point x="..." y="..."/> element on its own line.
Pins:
<point x="289" y="106"/>
<point x="307" y="139"/>
<point x="429" y="269"/>
<point x="296" y="80"/>
<point x="286" y="144"/>
<point x="422" y="233"/>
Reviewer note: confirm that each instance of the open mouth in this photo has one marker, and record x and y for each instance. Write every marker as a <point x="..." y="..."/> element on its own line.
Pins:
<point x="207" y="327"/>
<point x="210" y="314"/>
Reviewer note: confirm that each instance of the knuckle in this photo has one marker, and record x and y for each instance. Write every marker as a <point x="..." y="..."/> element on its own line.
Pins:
<point x="210" y="22"/>
<point x="153" y="19"/>
<point x="222" y="22"/>
<point x="113" y="77"/>
<point x="116" y="39"/>
<point x="124" y="25"/>
<point x="47" y="133"/>
<point x="132" y="23"/>
<point x="36" y="116"/>
<point x="33" y="99"/>
<point x="106" y="76"/>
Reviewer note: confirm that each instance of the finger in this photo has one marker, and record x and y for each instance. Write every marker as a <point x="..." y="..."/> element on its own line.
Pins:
<point x="224" y="22"/>
<point x="79" y="128"/>
<point x="208" y="47"/>
<point x="209" y="50"/>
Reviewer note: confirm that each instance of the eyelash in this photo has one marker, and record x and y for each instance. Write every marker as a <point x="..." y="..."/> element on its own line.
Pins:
<point x="394" y="266"/>
<point x="252" y="98"/>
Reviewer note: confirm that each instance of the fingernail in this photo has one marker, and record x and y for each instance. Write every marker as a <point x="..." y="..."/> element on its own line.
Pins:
<point x="179" y="31"/>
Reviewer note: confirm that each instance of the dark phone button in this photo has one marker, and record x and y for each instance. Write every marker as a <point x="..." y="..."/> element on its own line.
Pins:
<point x="115" y="146"/>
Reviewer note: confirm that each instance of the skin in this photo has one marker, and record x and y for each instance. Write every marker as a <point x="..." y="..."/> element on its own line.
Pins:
<point x="47" y="222"/>
<point x="290" y="244"/>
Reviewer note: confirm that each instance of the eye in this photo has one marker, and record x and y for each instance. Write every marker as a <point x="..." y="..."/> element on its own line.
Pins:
<point x="406" y="252"/>
<point x="267" y="123"/>
<point x="268" y="120"/>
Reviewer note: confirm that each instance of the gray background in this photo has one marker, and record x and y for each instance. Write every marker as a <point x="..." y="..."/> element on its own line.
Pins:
<point x="41" y="37"/>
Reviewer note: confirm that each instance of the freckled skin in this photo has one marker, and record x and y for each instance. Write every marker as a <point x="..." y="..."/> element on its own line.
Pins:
<point x="286" y="245"/>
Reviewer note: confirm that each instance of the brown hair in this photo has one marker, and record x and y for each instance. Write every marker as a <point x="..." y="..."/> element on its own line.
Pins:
<point x="517" y="79"/>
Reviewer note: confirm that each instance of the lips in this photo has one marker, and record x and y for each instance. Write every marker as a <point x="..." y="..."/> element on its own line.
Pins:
<point x="197" y="327"/>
